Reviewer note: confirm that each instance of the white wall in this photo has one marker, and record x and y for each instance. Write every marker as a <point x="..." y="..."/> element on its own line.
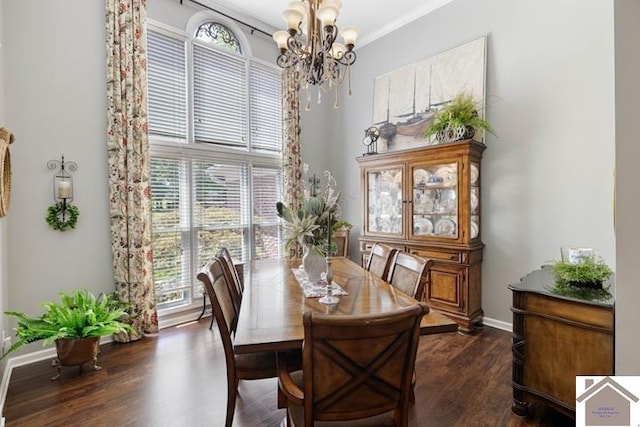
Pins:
<point x="627" y="38"/>
<point x="548" y="176"/>
<point x="55" y="82"/>
<point x="4" y="281"/>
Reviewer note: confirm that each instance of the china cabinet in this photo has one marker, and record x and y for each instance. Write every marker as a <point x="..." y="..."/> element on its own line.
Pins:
<point x="426" y="201"/>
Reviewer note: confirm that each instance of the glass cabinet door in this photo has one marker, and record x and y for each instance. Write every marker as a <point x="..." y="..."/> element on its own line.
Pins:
<point x="474" y="200"/>
<point x="435" y="201"/>
<point x="384" y="200"/>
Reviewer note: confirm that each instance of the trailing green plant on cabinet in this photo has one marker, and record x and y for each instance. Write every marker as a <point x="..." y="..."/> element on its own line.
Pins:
<point x="426" y="201"/>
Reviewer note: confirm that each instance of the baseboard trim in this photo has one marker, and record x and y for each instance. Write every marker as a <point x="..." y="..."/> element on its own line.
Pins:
<point x="498" y="324"/>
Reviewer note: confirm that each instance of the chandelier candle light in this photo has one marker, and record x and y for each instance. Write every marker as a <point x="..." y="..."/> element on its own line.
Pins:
<point x="312" y="49"/>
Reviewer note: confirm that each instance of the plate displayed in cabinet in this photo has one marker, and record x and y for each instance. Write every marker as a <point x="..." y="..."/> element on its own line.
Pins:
<point x="421" y="176"/>
<point x="422" y="226"/>
<point x="445" y="227"/>
<point x="448" y="174"/>
<point x="474" y="229"/>
<point x="475" y="173"/>
<point x="474" y="202"/>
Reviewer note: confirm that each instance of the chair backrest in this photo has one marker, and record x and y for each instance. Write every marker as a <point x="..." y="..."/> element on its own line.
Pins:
<point x="341" y="239"/>
<point x="224" y="309"/>
<point x="380" y="259"/>
<point x="409" y="273"/>
<point x="359" y="366"/>
<point x="232" y="276"/>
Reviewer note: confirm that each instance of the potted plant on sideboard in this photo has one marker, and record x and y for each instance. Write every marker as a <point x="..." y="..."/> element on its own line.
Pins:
<point x="583" y="279"/>
<point x="75" y="324"/>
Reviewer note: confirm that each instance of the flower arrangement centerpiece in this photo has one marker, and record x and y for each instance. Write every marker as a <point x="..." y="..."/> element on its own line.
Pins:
<point x="311" y="225"/>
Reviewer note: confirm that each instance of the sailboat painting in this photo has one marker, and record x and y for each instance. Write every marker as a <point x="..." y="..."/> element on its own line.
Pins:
<point x="406" y="99"/>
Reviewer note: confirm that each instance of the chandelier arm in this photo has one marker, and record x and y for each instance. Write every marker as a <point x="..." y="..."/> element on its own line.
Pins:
<point x="349" y="58"/>
<point x="330" y="33"/>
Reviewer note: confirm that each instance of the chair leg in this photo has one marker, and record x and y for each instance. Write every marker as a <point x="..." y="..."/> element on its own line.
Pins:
<point x="232" y="391"/>
<point x="412" y="395"/>
<point x="204" y="306"/>
<point x="282" y="400"/>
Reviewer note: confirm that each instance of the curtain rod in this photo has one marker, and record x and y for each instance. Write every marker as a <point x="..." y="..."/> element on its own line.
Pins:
<point x="230" y="17"/>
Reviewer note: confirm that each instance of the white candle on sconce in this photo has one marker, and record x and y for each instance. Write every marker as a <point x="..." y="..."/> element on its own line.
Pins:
<point x="64" y="189"/>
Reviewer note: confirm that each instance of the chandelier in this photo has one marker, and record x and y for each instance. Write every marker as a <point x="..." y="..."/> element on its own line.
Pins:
<point x="312" y="49"/>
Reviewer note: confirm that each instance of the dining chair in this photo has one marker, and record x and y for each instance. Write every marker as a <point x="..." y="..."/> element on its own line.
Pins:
<point x="355" y="369"/>
<point x="239" y="366"/>
<point x="409" y="273"/>
<point x="380" y="259"/>
<point x="341" y="239"/>
<point x="231" y="274"/>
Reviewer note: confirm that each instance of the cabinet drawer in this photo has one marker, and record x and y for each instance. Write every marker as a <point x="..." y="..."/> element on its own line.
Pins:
<point x="366" y="246"/>
<point x="438" y="255"/>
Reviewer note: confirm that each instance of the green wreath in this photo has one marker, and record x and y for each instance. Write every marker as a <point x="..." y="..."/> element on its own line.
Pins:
<point x="54" y="216"/>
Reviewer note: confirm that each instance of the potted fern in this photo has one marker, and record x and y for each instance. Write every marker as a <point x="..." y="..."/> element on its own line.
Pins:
<point x="458" y="120"/>
<point x="75" y="324"/>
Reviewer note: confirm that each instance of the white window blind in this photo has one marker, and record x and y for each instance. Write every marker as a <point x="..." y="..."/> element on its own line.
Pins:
<point x="220" y="97"/>
<point x="167" y="86"/>
<point x="266" y="107"/>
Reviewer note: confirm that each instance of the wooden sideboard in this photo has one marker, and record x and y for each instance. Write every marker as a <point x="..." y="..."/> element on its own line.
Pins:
<point x="556" y="338"/>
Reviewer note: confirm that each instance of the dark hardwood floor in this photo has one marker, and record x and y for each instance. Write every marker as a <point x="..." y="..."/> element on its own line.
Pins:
<point x="178" y="378"/>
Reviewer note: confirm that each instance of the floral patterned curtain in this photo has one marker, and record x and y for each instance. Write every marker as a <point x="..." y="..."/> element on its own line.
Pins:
<point x="291" y="152"/>
<point x="128" y="153"/>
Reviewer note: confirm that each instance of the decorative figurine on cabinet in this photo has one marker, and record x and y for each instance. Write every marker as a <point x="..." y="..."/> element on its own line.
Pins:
<point x="370" y="139"/>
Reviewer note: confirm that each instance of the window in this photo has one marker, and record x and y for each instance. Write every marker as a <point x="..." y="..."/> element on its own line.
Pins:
<point x="215" y="126"/>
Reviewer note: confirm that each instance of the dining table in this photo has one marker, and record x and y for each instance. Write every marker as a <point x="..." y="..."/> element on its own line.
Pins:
<point x="270" y="317"/>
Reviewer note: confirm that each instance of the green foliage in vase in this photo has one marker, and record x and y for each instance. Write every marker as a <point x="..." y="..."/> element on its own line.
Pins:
<point x="79" y="314"/>
<point x="582" y="280"/>
<point x="461" y="112"/>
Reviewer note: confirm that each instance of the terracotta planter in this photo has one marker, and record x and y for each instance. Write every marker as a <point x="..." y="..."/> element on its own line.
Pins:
<point x="76" y="352"/>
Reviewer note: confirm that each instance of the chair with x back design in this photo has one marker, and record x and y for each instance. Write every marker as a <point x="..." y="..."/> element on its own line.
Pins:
<point x="355" y="369"/>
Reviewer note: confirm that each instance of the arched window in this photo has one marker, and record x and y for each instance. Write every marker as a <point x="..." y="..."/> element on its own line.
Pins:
<point x="219" y="35"/>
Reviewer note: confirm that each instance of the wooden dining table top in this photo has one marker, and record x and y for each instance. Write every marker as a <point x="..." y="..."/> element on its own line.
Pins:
<point x="270" y="317"/>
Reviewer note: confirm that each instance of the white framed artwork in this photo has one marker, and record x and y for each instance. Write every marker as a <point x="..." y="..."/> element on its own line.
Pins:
<point x="406" y="99"/>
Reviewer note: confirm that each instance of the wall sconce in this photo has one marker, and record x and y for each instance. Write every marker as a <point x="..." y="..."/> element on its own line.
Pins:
<point x="63" y="215"/>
